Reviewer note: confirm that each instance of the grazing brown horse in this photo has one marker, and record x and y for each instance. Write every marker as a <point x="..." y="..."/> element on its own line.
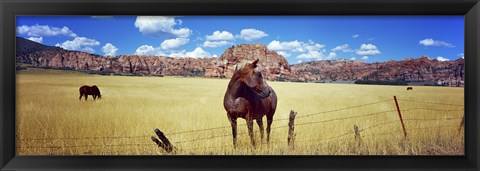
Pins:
<point x="248" y="96"/>
<point x="409" y="88"/>
<point x="87" y="90"/>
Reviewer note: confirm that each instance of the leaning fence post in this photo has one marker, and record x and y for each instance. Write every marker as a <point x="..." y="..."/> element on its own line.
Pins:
<point x="357" y="134"/>
<point x="158" y="142"/>
<point x="462" y="124"/>
<point x="400" y="115"/>
<point x="291" y="127"/>
<point x="166" y="143"/>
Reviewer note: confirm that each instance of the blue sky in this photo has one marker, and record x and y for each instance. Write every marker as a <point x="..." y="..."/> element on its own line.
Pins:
<point x="297" y="38"/>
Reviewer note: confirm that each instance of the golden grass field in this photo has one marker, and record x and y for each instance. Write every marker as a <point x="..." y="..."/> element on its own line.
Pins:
<point x="51" y="120"/>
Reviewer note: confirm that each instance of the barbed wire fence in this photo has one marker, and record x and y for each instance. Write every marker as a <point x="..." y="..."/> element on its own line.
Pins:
<point x="354" y="132"/>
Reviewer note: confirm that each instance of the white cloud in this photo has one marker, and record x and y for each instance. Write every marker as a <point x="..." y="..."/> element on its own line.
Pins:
<point x="161" y="26"/>
<point x="311" y="45"/>
<point x="440" y="58"/>
<point x="79" y="44"/>
<point x="461" y="55"/>
<point x="355" y="36"/>
<point x="220" y="35"/>
<point x="368" y="49"/>
<point x="214" y="44"/>
<point x="311" y="54"/>
<point x="148" y="50"/>
<point x="353" y="58"/>
<point x="109" y="49"/>
<point x="158" y="51"/>
<point x="251" y="34"/>
<point x="300" y="61"/>
<point x="431" y="42"/>
<point x="196" y="53"/>
<point x="331" y="55"/>
<point x="284" y="54"/>
<point x="44" y="30"/>
<point x="36" y="39"/>
<point x="295" y="46"/>
<point x="308" y="50"/>
<point x="343" y="48"/>
<point x="365" y="57"/>
<point x="281" y="46"/>
<point x="173" y="43"/>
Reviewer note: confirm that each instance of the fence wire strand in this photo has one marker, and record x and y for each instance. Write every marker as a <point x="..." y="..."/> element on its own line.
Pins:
<point x="377" y="125"/>
<point x="431" y="119"/>
<point x="336" y="110"/>
<point x="242" y="133"/>
<point x="337" y="119"/>
<point x="440" y="110"/>
<point x="425" y="102"/>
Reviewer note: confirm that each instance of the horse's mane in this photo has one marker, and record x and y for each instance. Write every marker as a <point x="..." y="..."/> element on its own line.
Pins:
<point x="241" y="64"/>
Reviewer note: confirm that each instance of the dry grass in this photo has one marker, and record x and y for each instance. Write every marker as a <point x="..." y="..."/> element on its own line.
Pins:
<point x="52" y="121"/>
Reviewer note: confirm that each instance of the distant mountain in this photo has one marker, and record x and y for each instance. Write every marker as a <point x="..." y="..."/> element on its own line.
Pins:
<point x="25" y="47"/>
<point x="421" y="69"/>
<point x="272" y="65"/>
<point x="39" y="55"/>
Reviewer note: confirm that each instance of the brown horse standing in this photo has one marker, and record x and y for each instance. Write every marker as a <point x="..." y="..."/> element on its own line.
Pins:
<point x="248" y="96"/>
<point x="87" y="90"/>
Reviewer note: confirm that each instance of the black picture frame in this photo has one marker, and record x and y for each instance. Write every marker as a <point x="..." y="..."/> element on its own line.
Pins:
<point x="11" y="8"/>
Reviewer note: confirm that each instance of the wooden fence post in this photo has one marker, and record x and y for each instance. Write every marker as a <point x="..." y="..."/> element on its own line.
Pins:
<point x="158" y="142"/>
<point x="291" y="127"/>
<point x="166" y="145"/>
<point x="357" y="134"/>
<point x="462" y="124"/>
<point x="400" y="115"/>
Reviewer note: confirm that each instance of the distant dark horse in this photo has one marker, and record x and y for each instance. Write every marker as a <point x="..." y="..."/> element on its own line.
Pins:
<point x="409" y="88"/>
<point x="248" y="96"/>
<point x="87" y="90"/>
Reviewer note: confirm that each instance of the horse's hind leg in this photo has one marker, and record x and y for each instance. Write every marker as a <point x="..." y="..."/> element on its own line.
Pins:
<point x="86" y="97"/>
<point x="269" y="123"/>
<point x="80" y="98"/>
<point x="233" y="122"/>
<point x="250" y="130"/>
<point x="260" y="126"/>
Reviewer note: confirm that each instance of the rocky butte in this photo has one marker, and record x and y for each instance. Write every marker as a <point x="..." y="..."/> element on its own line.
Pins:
<point x="273" y="66"/>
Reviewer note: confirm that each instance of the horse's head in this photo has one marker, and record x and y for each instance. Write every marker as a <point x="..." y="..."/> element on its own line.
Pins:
<point x="253" y="78"/>
<point x="96" y="91"/>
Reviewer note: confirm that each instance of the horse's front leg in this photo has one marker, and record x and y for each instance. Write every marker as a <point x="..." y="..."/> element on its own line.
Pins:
<point x="269" y="123"/>
<point x="94" y="97"/>
<point x="250" y="130"/>
<point x="233" y="122"/>
<point x="86" y="97"/>
<point x="80" y="98"/>
<point x="260" y="126"/>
